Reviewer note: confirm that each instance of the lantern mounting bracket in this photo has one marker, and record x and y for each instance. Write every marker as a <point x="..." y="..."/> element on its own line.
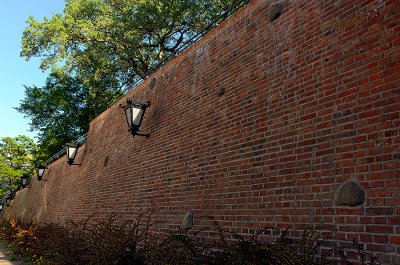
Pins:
<point x="140" y="134"/>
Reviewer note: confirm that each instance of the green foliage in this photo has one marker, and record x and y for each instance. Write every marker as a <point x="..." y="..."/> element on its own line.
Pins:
<point x="16" y="159"/>
<point x="95" y="49"/>
<point x="121" y="40"/>
<point x="109" y="241"/>
<point x="60" y="111"/>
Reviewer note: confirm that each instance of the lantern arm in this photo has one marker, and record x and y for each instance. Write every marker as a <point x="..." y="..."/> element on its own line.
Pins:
<point x="71" y="163"/>
<point x="42" y="179"/>
<point x="142" y="134"/>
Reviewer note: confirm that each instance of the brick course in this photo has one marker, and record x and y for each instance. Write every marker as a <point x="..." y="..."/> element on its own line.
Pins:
<point x="257" y="124"/>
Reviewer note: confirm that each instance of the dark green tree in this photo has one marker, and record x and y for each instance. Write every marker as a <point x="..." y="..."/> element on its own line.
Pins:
<point x="60" y="111"/>
<point x="118" y="39"/>
<point x="16" y="159"/>
<point x="95" y="49"/>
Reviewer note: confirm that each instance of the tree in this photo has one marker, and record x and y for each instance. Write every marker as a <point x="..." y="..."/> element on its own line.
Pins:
<point x="97" y="48"/>
<point x="116" y="39"/>
<point x="16" y="159"/>
<point x="60" y="111"/>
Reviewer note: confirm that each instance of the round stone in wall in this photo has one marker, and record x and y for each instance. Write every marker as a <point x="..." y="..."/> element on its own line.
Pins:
<point x="188" y="220"/>
<point x="153" y="82"/>
<point x="275" y="12"/>
<point x="350" y="194"/>
<point x="221" y="91"/>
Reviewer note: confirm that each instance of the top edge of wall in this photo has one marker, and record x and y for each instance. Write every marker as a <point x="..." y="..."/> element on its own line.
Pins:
<point x="234" y="17"/>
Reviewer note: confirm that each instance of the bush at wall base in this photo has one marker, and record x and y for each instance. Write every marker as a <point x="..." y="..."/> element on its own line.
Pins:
<point x="106" y="241"/>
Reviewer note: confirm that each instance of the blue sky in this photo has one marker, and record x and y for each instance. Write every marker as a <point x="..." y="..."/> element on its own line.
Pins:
<point x="15" y="72"/>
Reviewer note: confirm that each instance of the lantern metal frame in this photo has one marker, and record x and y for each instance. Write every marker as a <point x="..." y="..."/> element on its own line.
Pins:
<point x="71" y="156"/>
<point x="38" y="170"/>
<point x="131" y="107"/>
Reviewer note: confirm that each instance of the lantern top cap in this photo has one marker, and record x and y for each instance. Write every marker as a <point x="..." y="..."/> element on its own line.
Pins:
<point x="71" y="144"/>
<point x="136" y="103"/>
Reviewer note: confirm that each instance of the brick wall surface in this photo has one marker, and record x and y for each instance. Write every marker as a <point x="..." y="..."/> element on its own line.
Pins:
<point x="257" y="124"/>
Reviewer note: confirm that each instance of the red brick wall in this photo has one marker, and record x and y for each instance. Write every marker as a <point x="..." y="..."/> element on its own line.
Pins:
<point x="311" y="101"/>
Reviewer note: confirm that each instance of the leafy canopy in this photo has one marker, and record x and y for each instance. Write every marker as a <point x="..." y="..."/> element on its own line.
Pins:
<point x="117" y="39"/>
<point x="60" y="111"/>
<point x="16" y="159"/>
<point x="94" y="50"/>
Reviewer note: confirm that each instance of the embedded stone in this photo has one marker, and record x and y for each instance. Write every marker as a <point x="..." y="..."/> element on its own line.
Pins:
<point x="153" y="82"/>
<point x="275" y="12"/>
<point x="350" y="194"/>
<point x="188" y="220"/>
<point x="221" y="91"/>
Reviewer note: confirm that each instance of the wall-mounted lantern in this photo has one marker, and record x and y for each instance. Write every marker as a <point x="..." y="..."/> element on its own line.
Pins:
<point x="40" y="172"/>
<point x="24" y="180"/>
<point x="8" y="200"/>
<point x="134" y="112"/>
<point x="72" y="150"/>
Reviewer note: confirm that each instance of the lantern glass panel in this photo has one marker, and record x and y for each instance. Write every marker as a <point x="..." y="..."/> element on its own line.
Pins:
<point x="137" y="114"/>
<point x="24" y="181"/>
<point x="71" y="151"/>
<point x="40" y="172"/>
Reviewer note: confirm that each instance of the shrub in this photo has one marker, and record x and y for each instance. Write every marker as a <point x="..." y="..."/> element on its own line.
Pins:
<point x="184" y="247"/>
<point x="108" y="241"/>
